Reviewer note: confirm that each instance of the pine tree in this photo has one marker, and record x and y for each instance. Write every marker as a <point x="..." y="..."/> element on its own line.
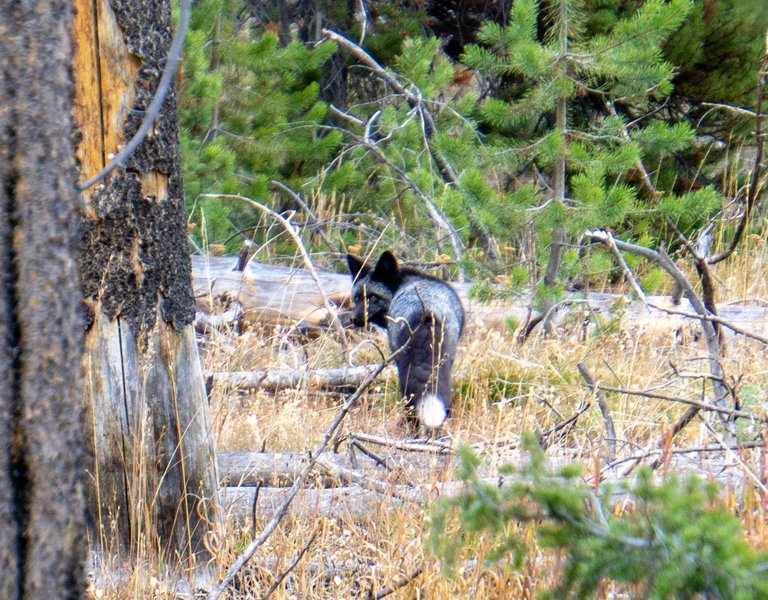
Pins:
<point x="249" y="114"/>
<point x="577" y="107"/>
<point x="667" y="540"/>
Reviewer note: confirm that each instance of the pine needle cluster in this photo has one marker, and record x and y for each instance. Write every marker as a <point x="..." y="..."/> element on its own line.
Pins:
<point x="667" y="539"/>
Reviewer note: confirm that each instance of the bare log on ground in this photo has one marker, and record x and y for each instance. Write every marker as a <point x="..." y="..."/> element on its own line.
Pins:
<point x="278" y="469"/>
<point x="349" y="502"/>
<point x="289" y="295"/>
<point x="315" y="379"/>
<point x="205" y="322"/>
<point x="285" y="295"/>
<point x="268" y="293"/>
<point x="364" y="503"/>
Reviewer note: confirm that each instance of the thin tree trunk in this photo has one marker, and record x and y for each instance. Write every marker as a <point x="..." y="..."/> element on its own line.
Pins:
<point x="42" y="509"/>
<point x="557" y="245"/>
<point x="154" y="465"/>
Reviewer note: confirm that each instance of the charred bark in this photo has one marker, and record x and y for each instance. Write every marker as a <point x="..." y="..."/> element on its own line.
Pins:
<point x="154" y="462"/>
<point x="42" y="516"/>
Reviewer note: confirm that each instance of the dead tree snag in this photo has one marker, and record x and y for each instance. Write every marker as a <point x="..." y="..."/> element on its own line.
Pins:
<point x="144" y="391"/>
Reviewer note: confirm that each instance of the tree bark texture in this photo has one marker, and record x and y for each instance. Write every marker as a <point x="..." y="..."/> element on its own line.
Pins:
<point x="42" y="474"/>
<point x="144" y="392"/>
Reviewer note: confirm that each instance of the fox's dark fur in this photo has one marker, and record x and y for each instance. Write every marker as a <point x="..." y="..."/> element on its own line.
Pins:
<point x="421" y="311"/>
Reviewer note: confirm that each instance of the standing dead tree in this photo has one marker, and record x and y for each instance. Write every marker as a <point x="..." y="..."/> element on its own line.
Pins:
<point x="42" y="509"/>
<point x="154" y="467"/>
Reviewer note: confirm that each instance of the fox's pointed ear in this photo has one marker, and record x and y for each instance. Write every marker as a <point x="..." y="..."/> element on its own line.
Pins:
<point x="386" y="270"/>
<point x="356" y="265"/>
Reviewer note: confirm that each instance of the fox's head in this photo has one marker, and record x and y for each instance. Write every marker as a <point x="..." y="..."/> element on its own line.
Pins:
<point x="372" y="289"/>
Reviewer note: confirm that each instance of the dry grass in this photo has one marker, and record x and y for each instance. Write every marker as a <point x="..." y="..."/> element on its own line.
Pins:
<point x="500" y="389"/>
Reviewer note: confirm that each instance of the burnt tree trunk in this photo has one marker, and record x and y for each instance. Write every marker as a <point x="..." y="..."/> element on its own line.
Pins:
<point x="148" y="422"/>
<point x="42" y="475"/>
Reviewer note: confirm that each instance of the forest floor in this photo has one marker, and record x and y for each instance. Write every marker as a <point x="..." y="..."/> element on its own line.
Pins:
<point x="501" y="389"/>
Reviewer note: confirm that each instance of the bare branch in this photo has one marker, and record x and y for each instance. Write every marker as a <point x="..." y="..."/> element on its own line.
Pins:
<point x="309" y="211"/>
<point x="699" y="254"/>
<point x="166" y="79"/>
<point x="729" y="107"/>
<point x="731" y="412"/>
<point x="639" y="163"/>
<point x="543" y="437"/>
<point x="296" y="561"/>
<point x="756" y="479"/>
<point x="679" y="277"/>
<point x="715" y="319"/>
<point x="610" y="432"/>
<point x="415" y="100"/>
<point x="402" y="582"/>
<point x="434" y="214"/>
<point x="432" y="446"/>
<point x="703" y="314"/>
<point x="354" y="477"/>
<point x="611" y="243"/>
<point x="754" y="179"/>
<point x="255" y="544"/>
<point x="688" y="450"/>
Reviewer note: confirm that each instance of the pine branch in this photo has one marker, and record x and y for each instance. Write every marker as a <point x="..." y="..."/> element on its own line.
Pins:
<point x="415" y="100"/>
<point x="438" y="219"/>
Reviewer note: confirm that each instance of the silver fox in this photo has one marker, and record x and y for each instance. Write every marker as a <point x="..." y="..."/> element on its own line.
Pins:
<point x="421" y="311"/>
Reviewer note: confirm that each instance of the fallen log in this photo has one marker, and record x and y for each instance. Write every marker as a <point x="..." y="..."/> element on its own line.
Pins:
<point x="289" y="295"/>
<point x="343" y="502"/>
<point x="349" y="502"/>
<point x="280" y="469"/>
<point x="341" y="378"/>
<point x="267" y="293"/>
<point x="364" y="502"/>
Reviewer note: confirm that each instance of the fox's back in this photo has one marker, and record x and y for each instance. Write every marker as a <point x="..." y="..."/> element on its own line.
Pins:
<point x="420" y="295"/>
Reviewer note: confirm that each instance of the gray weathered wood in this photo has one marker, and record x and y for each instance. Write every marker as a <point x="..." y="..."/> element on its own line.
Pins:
<point x="283" y="295"/>
<point x="268" y="293"/>
<point x="280" y="469"/>
<point x="314" y="379"/>
<point x="364" y="502"/>
<point x="153" y="465"/>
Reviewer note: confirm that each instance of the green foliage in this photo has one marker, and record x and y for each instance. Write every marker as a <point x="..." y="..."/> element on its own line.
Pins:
<point x="653" y="281"/>
<point x="514" y="285"/>
<point x="249" y="114"/>
<point x="716" y="52"/>
<point x="256" y="106"/>
<point x="623" y="63"/>
<point x="670" y="539"/>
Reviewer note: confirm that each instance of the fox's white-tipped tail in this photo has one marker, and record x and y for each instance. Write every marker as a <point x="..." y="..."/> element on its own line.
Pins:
<point x="431" y="411"/>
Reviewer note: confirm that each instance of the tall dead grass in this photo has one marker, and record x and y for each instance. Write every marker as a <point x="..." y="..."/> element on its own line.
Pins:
<point x="500" y="390"/>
